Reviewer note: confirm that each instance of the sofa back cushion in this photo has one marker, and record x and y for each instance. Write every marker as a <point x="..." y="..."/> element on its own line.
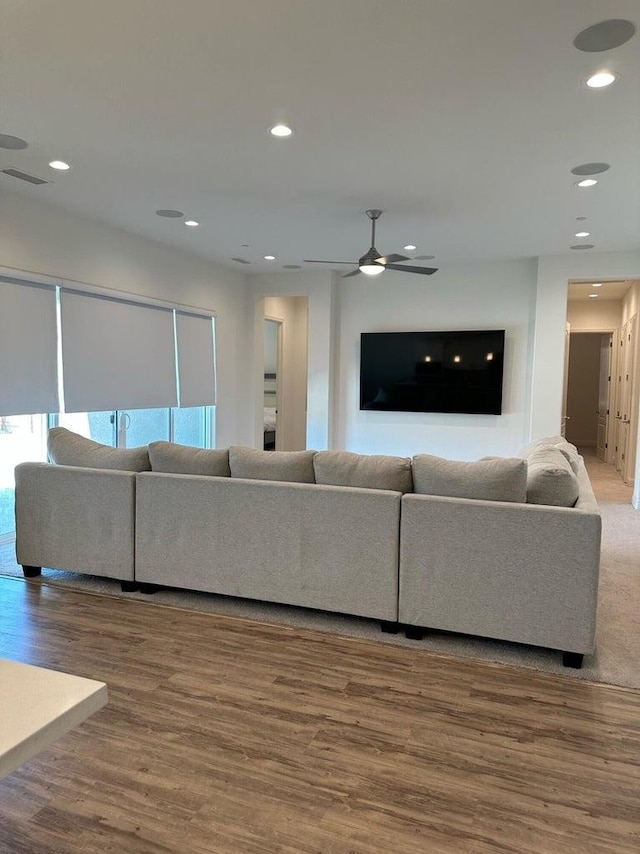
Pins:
<point x="290" y="466"/>
<point x="66" y="448"/>
<point x="550" y="478"/>
<point x="489" y="479"/>
<point x="344" y="468"/>
<point x="560" y="444"/>
<point x="184" y="459"/>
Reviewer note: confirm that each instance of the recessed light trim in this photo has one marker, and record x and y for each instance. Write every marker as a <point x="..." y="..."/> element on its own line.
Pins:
<point x="580" y="246"/>
<point x="269" y="257"/>
<point x="192" y="223"/>
<point x="596" y="285"/>
<point x="590" y="168"/>
<point x="292" y="266"/>
<point x="587" y="182"/>
<point x="409" y="247"/>
<point x="60" y="165"/>
<point x="424" y="257"/>
<point x="582" y="233"/>
<point x="281" y="130"/>
<point x="169" y="213"/>
<point x="594" y="296"/>
<point x="601" y="80"/>
<point x="580" y="218"/>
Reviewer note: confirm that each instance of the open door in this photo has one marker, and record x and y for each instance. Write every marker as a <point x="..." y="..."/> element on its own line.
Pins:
<point x="604" y="392"/>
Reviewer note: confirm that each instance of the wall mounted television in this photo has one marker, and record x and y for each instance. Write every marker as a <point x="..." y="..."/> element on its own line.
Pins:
<point x="432" y="371"/>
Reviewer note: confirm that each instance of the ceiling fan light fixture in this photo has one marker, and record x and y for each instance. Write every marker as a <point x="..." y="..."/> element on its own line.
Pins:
<point x="370" y="269"/>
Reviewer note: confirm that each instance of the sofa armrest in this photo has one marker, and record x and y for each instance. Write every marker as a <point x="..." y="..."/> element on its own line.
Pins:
<point x="518" y="572"/>
<point x="78" y="519"/>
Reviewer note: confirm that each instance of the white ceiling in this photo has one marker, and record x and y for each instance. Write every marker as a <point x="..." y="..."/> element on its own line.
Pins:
<point x="460" y="118"/>
<point x="580" y="291"/>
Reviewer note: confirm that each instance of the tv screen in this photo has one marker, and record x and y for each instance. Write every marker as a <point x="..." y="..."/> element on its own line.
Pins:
<point x="432" y="371"/>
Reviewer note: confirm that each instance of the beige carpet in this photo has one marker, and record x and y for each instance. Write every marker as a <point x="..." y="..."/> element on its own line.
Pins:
<point x="617" y="657"/>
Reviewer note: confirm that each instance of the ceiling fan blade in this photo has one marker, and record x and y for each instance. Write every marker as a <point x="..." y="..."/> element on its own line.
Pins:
<point x="355" y="272"/>
<point x="312" y="261"/>
<point x="426" y="271"/>
<point x="392" y="259"/>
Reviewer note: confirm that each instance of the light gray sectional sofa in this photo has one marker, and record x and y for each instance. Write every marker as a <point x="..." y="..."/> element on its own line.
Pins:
<point x="501" y="548"/>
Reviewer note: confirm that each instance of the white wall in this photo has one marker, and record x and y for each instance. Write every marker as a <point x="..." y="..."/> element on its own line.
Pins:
<point x="38" y="237"/>
<point x="482" y="296"/>
<point x="594" y="315"/>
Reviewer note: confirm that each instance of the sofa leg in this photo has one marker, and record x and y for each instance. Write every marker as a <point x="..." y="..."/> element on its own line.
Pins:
<point x="31" y="571"/>
<point x="147" y="588"/>
<point x="572" y="659"/>
<point x="389" y="628"/>
<point x="414" y="632"/>
<point x="128" y="586"/>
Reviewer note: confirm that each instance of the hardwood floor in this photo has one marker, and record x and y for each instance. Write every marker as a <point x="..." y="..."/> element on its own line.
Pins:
<point x="233" y="737"/>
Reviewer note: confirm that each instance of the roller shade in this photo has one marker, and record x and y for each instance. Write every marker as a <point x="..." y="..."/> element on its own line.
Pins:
<point x="116" y="354"/>
<point x="28" y="348"/>
<point x="196" y="359"/>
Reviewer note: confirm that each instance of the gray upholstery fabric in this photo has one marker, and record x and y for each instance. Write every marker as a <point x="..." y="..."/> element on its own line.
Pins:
<point x="171" y="458"/>
<point x="560" y="443"/>
<point x="75" y="518"/>
<point x="550" y="478"/>
<point x="70" y="449"/>
<point x="286" y="466"/>
<point x="343" y="468"/>
<point x="490" y="479"/>
<point x="515" y="572"/>
<point x="315" y="546"/>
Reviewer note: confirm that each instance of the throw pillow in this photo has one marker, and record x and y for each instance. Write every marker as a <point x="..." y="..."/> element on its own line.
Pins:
<point x="491" y="479"/>
<point x="66" y="448"/>
<point x="183" y="459"/>
<point x="290" y="466"/>
<point x="550" y="478"/>
<point x="370" y="471"/>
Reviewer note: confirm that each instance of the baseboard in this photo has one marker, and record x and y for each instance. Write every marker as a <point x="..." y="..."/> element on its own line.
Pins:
<point x="635" y="501"/>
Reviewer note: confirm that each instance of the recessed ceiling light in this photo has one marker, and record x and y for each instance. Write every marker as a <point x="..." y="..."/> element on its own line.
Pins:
<point x="281" y="130"/>
<point x="579" y="218"/>
<point x="593" y="296"/>
<point x="596" y="285"/>
<point x="590" y="168"/>
<point x="191" y="222"/>
<point x="169" y="213"/>
<point x="425" y="257"/>
<point x="410" y="247"/>
<point x="12" y="143"/>
<point x="245" y="245"/>
<point x="588" y="182"/>
<point x="269" y="257"/>
<point x="582" y="233"/>
<point x="60" y="165"/>
<point x="601" y="80"/>
<point x="582" y="246"/>
<point x="292" y="266"/>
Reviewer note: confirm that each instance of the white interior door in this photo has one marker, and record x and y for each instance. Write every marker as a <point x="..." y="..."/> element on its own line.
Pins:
<point x="603" y="396"/>
<point x="565" y="381"/>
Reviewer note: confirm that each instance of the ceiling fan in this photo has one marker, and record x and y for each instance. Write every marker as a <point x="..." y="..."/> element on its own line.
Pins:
<point x="373" y="263"/>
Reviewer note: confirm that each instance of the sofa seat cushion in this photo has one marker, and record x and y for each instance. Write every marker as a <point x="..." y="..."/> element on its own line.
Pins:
<point x="489" y="479"/>
<point x="369" y="471"/>
<point x="560" y="444"/>
<point x="290" y="466"/>
<point x="67" y="448"/>
<point x="550" y="478"/>
<point x="173" y="458"/>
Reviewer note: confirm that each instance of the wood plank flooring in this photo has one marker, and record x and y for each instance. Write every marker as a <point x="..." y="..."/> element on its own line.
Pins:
<point x="233" y="737"/>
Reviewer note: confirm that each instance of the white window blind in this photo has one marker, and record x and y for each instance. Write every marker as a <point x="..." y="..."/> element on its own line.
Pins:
<point x="28" y="348"/>
<point x="116" y="354"/>
<point x="196" y="359"/>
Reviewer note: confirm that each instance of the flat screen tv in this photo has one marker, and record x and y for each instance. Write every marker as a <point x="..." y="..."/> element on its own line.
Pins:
<point x="432" y="371"/>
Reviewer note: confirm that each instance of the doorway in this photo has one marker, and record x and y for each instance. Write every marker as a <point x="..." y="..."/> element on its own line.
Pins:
<point x="272" y="370"/>
<point x="588" y="405"/>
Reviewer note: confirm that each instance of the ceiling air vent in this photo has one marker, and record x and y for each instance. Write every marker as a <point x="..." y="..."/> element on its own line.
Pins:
<point x="241" y="260"/>
<point x="24" y="176"/>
